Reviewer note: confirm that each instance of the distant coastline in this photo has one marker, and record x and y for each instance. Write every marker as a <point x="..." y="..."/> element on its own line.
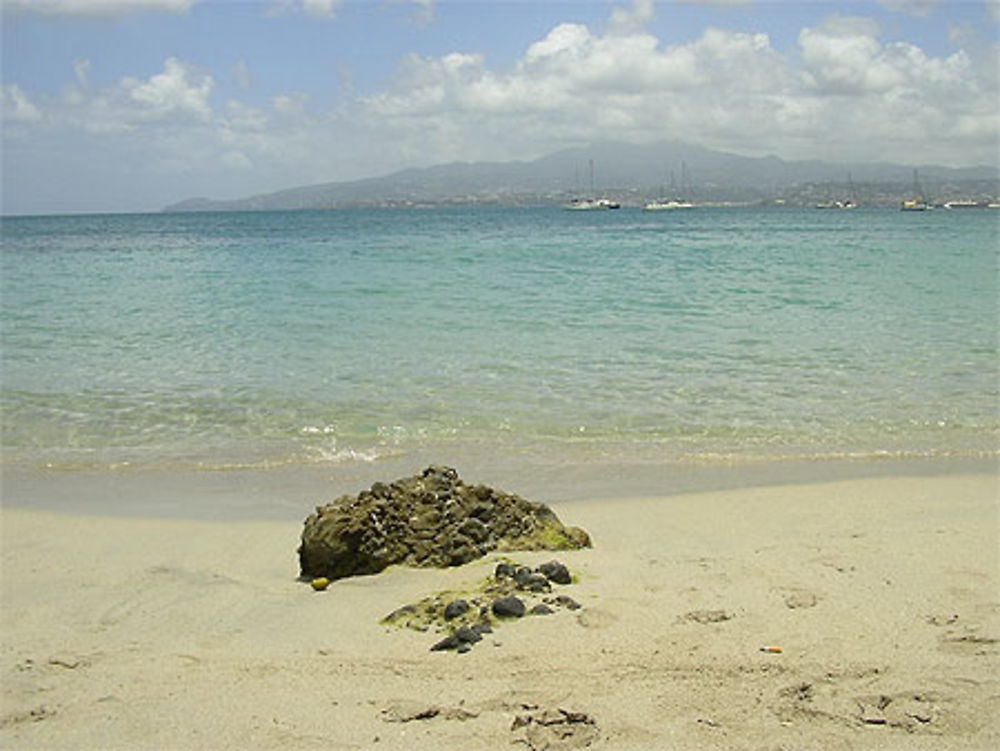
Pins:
<point x="631" y="175"/>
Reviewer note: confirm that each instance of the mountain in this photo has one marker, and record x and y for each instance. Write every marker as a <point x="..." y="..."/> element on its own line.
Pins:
<point x="628" y="172"/>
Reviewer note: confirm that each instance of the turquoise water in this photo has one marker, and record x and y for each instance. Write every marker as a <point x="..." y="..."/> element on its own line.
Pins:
<point x="259" y="340"/>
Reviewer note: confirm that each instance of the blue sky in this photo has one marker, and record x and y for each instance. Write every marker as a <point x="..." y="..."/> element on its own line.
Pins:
<point x="126" y="105"/>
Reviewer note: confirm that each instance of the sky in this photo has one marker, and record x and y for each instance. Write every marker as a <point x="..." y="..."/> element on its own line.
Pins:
<point x="129" y="105"/>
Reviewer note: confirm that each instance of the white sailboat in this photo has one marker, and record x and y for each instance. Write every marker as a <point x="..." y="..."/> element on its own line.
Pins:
<point x="670" y="204"/>
<point x="592" y="204"/>
<point x="841" y="203"/>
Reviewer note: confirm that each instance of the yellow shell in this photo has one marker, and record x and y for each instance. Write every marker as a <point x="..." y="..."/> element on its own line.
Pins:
<point x="320" y="583"/>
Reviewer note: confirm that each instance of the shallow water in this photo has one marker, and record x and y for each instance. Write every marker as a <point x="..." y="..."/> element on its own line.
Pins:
<point x="339" y="339"/>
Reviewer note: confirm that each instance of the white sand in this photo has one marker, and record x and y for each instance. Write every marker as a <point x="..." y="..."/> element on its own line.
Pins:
<point x="883" y="594"/>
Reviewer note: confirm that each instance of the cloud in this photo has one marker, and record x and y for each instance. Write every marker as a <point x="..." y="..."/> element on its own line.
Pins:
<point x="242" y="75"/>
<point x="179" y="90"/>
<point x="17" y="108"/>
<point x="97" y="8"/>
<point x="843" y="94"/>
<point x="912" y="7"/>
<point x="321" y="8"/>
<point x="632" y="19"/>
<point x="81" y="67"/>
<point x="315" y="8"/>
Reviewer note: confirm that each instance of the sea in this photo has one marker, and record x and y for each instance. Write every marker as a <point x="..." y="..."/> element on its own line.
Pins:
<point x="279" y="356"/>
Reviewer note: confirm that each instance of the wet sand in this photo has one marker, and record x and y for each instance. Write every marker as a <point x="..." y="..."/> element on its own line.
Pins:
<point x="882" y="595"/>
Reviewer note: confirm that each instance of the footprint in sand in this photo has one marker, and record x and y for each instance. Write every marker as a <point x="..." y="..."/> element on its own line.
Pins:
<point x="800" y="599"/>
<point x="554" y="729"/>
<point x="596" y="618"/>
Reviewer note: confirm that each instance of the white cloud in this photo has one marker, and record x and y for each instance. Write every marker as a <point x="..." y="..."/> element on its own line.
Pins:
<point x="425" y="10"/>
<point x="321" y="8"/>
<point x="912" y="7"/>
<point x="290" y="104"/>
<point x="843" y="55"/>
<point x="96" y="8"/>
<point x="179" y="89"/>
<point x="242" y="75"/>
<point x="17" y="108"/>
<point x="315" y="8"/>
<point x="632" y="19"/>
<point x="81" y="67"/>
<point x="846" y="94"/>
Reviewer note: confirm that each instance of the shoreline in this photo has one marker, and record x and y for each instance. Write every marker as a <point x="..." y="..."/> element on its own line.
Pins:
<point x="882" y="593"/>
<point x="290" y="492"/>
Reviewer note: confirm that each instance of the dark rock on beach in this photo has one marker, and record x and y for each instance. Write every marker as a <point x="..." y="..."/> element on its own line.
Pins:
<point x="508" y="607"/>
<point x="455" y="609"/>
<point x="555" y="572"/>
<point x="432" y="519"/>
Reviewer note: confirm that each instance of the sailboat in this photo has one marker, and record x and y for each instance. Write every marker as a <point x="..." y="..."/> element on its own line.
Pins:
<point x="917" y="203"/>
<point x="662" y="204"/>
<point x="841" y="203"/>
<point x="592" y="204"/>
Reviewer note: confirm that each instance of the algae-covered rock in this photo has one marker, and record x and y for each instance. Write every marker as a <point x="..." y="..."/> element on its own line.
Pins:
<point x="432" y="519"/>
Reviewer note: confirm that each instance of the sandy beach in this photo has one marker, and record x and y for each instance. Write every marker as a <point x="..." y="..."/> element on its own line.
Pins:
<point x="882" y="595"/>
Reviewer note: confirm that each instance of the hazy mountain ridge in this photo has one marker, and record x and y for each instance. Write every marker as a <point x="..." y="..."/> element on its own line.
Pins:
<point x="628" y="172"/>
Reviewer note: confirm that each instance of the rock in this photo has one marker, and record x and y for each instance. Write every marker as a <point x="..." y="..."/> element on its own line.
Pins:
<point x="504" y="571"/>
<point x="468" y="634"/>
<point x="449" y="642"/>
<point x="455" y="609"/>
<point x="508" y="607"/>
<point x="541" y="609"/>
<point x="536" y="583"/>
<point x="521" y="575"/>
<point x="429" y="520"/>
<point x="555" y="572"/>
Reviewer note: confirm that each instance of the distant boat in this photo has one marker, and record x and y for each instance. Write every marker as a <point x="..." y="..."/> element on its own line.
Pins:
<point x="844" y="203"/>
<point x="592" y="204"/>
<point x="965" y="204"/>
<point x="917" y="203"/>
<point x="914" y="204"/>
<point x="848" y="204"/>
<point x="667" y="205"/>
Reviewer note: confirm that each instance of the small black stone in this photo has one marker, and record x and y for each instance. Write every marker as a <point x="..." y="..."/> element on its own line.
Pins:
<point x="455" y="609"/>
<point x="521" y="575"/>
<point x="483" y="628"/>
<point x="541" y="609"/>
<point x="508" y="607"/>
<point x="555" y="572"/>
